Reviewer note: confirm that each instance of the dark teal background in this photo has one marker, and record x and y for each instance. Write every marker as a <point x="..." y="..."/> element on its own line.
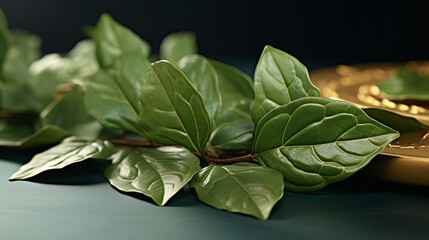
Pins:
<point x="336" y="30"/>
<point x="78" y="203"/>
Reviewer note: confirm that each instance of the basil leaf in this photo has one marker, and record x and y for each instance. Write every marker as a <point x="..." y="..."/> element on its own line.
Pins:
<point x="279" y="79"/>
<point x="406" y="84"/>
<point x="107" y="104"/>
<point x="398" y="122"/>
<point x="112" y="96"/>
<point x="233" y="126"/>
<point x="203" y="76"/>
<point x="69" y="151"/>
<point x="314" y="142"/>
<point x="242" y="187"/>
<point x="177" y="45"/>
<point x="4" y="37"/>
<point x="173" y="111"/>
<point x="70" y="114"/>
<point x="114" y="40"/>
<point x="158" y="173"/>
<point x="227" y="93"/>
<point x="22" y="136"/>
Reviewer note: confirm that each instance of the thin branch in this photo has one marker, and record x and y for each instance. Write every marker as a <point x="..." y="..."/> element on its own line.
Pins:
<point x="229" y="160"/>
<point x="223" y="160"/>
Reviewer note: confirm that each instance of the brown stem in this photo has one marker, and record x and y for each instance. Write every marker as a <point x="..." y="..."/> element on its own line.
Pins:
<point x="6" y="115"/>
<point x="227" y="160"/>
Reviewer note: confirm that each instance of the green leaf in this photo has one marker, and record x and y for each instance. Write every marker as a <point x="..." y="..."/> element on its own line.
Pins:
<point x="177" y="45"/>
<point x="113" y="100"/>
<point x="16" y="98"/>
<point x="173" y="111"/>
<point x="112" y="96"/>
<point x="23" y="136"/>
<point x="158" y="173"/>
<point x="406" y="84"/>
<point x="16" y="92"/>
<point x="27" y="44"/>
<point x="279" y="79"/>
<point x="314" y="142"/>
<point x="227" y="94"/>
<point x="69" y="151"/>
<point x="242" y="187"/>
<point x="47" y="73"/>
<point x="11" y="133"/>
<point x="83" y="60"/>
<point x="70" y="114"/>
<point x="15" y="68"/>
<point x="203" y="76"/>
<point x="114" y="40"/>
<point x="233" y="126"/>
<point x="398" y="122"/>
<point x="4" y="38"/>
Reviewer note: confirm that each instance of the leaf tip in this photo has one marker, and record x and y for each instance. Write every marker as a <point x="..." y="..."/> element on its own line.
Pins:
<point x="105" y="17"/>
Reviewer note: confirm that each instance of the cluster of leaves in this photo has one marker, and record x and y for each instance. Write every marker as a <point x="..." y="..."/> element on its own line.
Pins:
<point x="275" y="133"/>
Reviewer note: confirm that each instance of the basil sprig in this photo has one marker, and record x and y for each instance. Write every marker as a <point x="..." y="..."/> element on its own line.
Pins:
<point x="277" y="131"/>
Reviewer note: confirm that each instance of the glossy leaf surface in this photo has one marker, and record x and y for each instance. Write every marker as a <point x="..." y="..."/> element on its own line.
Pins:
<point x="203" y="76"/>
<point x="279" y="79"/>
<point x="112" y="95"/>
<point x="69" y="151"/>
<point x="173" y="111"/>
<point x="23" y="136"/>
<point x="70" y="114"/>
<point x="158" y="173"/>
<point x="242" y="187"/>
<point x="398" y="122"/>
<point x="315" y="141"/>
<point x="114" y="41"/>
<point x="233" y="127"/>
<point x="177" y="45"/>
<point x="113" y="100"/>
<point x="406" y="84"/>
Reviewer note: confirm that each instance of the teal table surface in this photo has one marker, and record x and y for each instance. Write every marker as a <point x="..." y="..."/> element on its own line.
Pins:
<point x="78" y="203"/>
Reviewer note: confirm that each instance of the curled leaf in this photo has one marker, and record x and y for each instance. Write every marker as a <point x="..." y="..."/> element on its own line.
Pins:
<point x="23" y="136"/>
<point x="69" y="151"/>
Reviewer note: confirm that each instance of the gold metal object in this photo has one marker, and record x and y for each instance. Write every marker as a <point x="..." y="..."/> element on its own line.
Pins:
<point x="406" y="159"/>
